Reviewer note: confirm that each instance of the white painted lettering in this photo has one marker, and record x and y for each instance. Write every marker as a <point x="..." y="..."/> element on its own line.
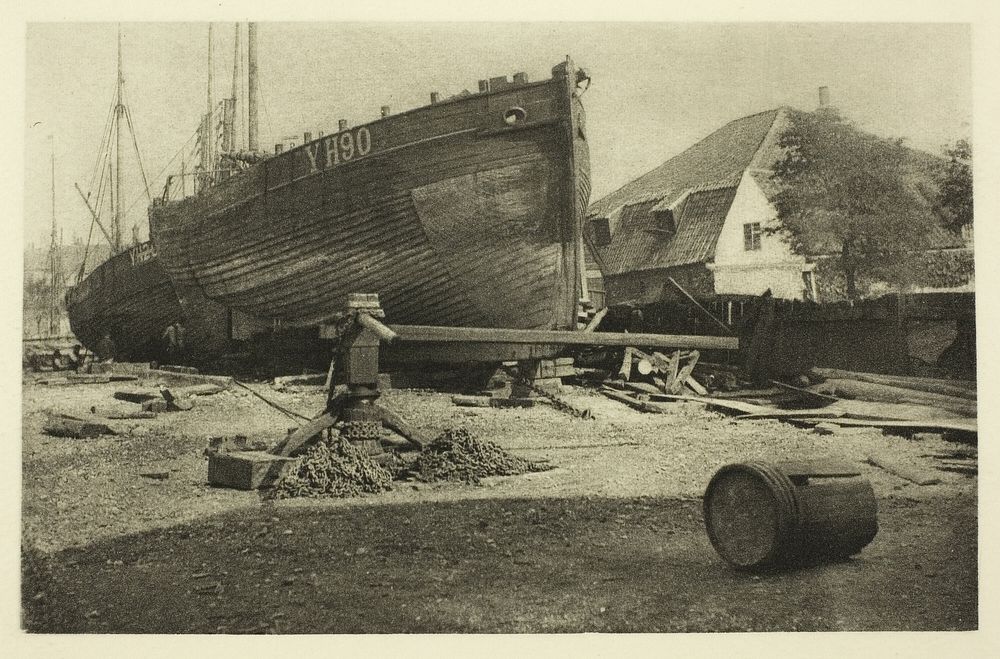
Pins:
<point x="364" y="141"/>
<point x="312" y="152"/>
<point x="347" y="145"/>
<point x="332" y="158"/>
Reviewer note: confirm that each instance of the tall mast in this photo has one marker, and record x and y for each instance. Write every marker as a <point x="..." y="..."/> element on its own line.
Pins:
<point x="252" y="86"/>
<point x="53" y="252"/>
<point x="116" y="233"/>
<point x="230" y="136"/>
<point x="208" y="147"/>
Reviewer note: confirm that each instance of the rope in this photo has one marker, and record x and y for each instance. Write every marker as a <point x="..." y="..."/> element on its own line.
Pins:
<point x="167" y="166"/>
<point x="101" y="150"/>
<point x="138" y="156"/>
<point x="290" y="414"/>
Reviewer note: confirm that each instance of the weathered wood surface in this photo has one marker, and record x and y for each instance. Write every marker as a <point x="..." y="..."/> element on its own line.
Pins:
<point x="434" y="334"/>
<point x="903" y="470"/>
<point x="207" y="389"/>
<point x="595" y="322"/>
<point x="397" y="424"/>
<point x="189" y="379"/>
<point x="883" y="393"/>
<point x="859" y="409"/>
<point x="930" y="425"/>
<point x="927" y="385"/>
<point x="806" y="394"/>
<point x="134" y="302"/>
<point x="632" y="402"/>
<point x="451" y="216"/>
<point x="64" y="425"/>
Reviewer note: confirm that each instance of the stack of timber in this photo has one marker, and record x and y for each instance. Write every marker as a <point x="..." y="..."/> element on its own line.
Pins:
<point x="667" y="376"/>
<point x="837" y="399"/>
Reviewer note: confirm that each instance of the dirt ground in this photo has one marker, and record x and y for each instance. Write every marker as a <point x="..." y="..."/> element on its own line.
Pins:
<point x="611" y="540"/>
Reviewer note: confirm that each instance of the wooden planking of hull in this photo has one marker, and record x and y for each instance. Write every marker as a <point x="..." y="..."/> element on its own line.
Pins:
<point x="462" y="213"/>
<point x="130" y="297"/>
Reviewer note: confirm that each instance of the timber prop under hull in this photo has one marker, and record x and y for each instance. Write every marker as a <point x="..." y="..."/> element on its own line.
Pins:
<point x="130" y="297"/>
<point x="463" y="213"/>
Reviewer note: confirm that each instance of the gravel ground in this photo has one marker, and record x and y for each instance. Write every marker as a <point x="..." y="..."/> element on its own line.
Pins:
<point x="611" y="539"/>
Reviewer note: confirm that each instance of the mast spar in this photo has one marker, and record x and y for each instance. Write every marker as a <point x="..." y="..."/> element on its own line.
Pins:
<point x="208" y="141"/>
<point x="252" y="87"/>
<point x="55" y="274"/>
<point x="116" y="198"/>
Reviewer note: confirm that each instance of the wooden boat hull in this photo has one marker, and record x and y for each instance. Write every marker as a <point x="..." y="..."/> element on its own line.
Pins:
<point x="450" y="213"/>
<point x="130" y="297"/>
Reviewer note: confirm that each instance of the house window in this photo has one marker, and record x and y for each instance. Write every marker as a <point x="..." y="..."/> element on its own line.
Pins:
<point x="751" y="236"/>
<point x="665" y="221"/>
<point x="602" y="231"/>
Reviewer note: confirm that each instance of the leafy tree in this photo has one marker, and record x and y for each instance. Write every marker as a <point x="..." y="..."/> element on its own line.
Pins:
<point x="954" y="199"/>
<point x="846" y="192"/>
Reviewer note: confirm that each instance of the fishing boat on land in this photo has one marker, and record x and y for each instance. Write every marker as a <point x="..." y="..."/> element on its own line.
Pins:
<point x="129" y="296"/>
<point x="465" y="212"/>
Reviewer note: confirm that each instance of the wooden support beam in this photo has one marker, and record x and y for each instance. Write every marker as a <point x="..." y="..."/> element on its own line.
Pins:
<point x="626" y="370"/>
<point x="383" y="332"/>
<point x="432" y="334"/>
<point x="708" y="314"/>
<point x="596" y="320"/>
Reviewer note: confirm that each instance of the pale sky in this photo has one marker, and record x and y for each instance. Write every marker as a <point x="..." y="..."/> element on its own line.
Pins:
<point x="657" y="87"/>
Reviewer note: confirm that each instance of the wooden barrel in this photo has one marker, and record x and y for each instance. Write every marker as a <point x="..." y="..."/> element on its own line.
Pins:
<point x="763" y="515"/>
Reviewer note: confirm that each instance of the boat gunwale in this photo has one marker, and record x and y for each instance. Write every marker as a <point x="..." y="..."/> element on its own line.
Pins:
<point x="485" y="132"/>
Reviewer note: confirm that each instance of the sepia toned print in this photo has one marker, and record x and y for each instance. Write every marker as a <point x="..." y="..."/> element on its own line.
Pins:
<point x="376" y="328"/>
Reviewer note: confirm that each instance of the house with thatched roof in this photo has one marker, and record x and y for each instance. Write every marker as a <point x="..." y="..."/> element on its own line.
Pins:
<point x="705" y="219"/>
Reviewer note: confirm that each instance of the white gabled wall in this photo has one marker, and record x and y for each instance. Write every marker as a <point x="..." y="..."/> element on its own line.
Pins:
<point x="741" y="272"/>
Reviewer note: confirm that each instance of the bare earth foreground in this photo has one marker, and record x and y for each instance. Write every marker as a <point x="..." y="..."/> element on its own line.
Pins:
<point x="611" y="540"/>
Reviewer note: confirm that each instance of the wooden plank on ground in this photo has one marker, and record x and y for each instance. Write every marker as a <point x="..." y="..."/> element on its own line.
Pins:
<point x="859" y="409"/>
<point x="64" y="425"/>
<point x="807" y="394"/>
<point x="639" y="405"/>
<point x="831" y="412"/>
<point x="925" y="425"/>
<point x="927" y="385"/>
<point x="188" y="378"/>
<point x="696" y="386"/>
<point x="887" y="394"/>
<point x="723" y="404"/>
<point x="643" y="387"/>
<point x="905" y="471"/>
